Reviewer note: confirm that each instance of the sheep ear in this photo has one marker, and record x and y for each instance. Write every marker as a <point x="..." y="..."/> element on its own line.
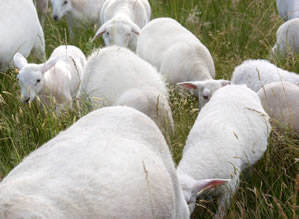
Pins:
<point x="135" y="28"/>
<point x="225" y="82"/>
<point x="201" y="185"/>
<point x="190" y="84"/>
<point x="19" y="60"/>
<point x="49" y="64"/>
<point x="100" y="32"/>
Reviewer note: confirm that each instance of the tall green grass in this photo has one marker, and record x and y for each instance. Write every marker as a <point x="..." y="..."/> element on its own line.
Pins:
<point x="233" y="31"/>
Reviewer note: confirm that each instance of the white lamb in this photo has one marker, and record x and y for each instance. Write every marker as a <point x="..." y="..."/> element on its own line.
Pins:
<point x="281" y="101"/>
<point x="229" y="134"/>
<point x="287" y="38"/>
<point x="288" y="9"/>
<point x="59" y="77"/>
<point x="77" y="12"/>
<point x="21" y="32"/>
<point x="112" y="163"/>
<point x="42" y="9"/>
<point x="122" y="21"/>
<point x="116" y="76"/>
<point x="175" y="51"/>
<point x="257" y="73"/>
<point x="204" y="90"/>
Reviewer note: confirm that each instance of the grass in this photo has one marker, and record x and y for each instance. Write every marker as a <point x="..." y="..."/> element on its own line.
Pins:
<point x="233" y="31"/>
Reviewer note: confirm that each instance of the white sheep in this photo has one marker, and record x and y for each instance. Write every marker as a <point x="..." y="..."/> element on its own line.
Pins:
<point x="287" y="38"/>
<point x="42" y="9"/>
<point x="21" y="32"/>
<point x="257" y="73"/>
<point x="122" y="21"/>
<point x="116" y="76"/>
<point x="288" y="9"/>
<point x="59" y="77"/>
<point x="281" y="101"/>
<point x="229" y="134"/>
<point x="175" y="51"/>
<point x="83" y="12"/>
<point x="112" y="163"/>
<point x="204" y="90"/>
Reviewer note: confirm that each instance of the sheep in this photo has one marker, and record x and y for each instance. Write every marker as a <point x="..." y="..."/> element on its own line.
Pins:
<point x="116" y="76"/>
<point x="287" y="38"/>
<point x="59" y="77"/>
<point x="204" y="90"/>
<point x="229" y="134"/>
<point x="122" y="21"/>
<point x="288" y="9"/>
<point x="175" y="51"/>
<point x="280" y="101"/>
<point x="257" y="73"/>
<point x="22" y="16"/>
<point x="77" y="12"/>
<point x="42" y="9"/>
<point x="112" y="163"/>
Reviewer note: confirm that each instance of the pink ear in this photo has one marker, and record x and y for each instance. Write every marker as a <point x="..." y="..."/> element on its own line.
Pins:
<point x="100" y="32"/>
<point x="202" y="185"/>
<point x="188" y="85"/>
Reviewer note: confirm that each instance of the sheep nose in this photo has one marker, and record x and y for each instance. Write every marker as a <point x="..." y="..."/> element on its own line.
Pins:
<point x="206" y="97"/>
<point x="26" y="100"/>
<point x="55" y="17"/>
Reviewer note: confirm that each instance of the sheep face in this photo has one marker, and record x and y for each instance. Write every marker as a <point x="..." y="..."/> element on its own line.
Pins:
<point x="31" y="81"/>
<point x="119" y="32"/>
<point x="60" y="8"/>
<point x="204" y="90"/>
<point x="31" y="76"/>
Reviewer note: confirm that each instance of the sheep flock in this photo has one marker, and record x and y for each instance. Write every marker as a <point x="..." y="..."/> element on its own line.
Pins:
<point x="149" y="109"/>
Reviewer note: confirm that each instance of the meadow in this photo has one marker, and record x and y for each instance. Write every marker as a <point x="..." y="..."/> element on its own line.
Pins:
<point x="233" y="31"/>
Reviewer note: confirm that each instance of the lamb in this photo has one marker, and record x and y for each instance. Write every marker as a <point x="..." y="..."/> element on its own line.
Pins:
<point x="257" y="73"/>
<point x="288" y="9"/>
<point x="287" y="38"/>
<point x="22" y="16"/>
<point x="204" y="90"/>
<point x="175" y="51"/>
<point x="59" y="77"/>
<point x="116" y="76"/>
<point x="229" y="134"/>
<point x="280" y="100"/>
<point x="77" y="12"/>
<point x="122" y="21"/>
<point x="112" y="163"/>
<point x="42" y="9"/>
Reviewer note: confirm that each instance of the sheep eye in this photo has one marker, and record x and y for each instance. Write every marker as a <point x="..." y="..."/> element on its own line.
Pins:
<point x="107" y="33"/>
<point x="65" y="2"/>
<point x="38" y="80"/>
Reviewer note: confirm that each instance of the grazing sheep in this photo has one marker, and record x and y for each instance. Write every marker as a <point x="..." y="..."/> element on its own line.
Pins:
<point x="77" y="12"/>
<point x="42" y="9"/>
<point x="116" y="76"/>
<point x="257" y="73"/>
<point x="17" y="18"/>
<point x="59" y="76"/>
<point x="229" y="134"/>
<point x="287" y="38"/>
<point x="112" y="163"/>
<point x="122" y="21"/>
<point x="175" y="51"/>
<point x="204" y="90"/>
<point x="281" y="101"/>
<point x="288" y="9"/>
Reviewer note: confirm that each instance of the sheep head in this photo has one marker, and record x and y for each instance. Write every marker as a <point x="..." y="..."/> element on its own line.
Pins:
<point x="60" y="8"/>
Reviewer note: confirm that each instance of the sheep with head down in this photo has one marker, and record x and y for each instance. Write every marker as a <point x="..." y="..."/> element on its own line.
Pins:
<point x="229" y="134"/>
<point x="58" y="77"/>
<point x="122" y="21"/>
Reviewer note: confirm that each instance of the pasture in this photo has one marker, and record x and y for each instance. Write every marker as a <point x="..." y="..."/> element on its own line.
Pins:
<point x="233" y="31"/>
